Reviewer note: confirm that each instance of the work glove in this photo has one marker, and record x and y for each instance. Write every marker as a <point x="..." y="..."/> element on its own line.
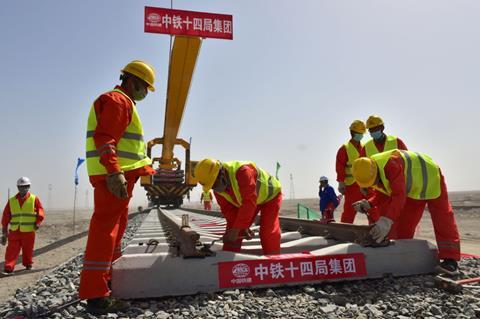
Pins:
<point x="117" y="184"/>
<point x="341" y="188"/>
<point x="381" y="228"/>
<point x="362" y="206"/>
<point x="231" y="235"/>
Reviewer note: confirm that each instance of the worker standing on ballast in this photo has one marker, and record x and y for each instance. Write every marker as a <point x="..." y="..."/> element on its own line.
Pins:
<point x="21" y="218"/>
<point x="206" y="197"/>
<point x="116" y="158"/>
<point x="349" y="152"/>
<point x="380" y="142"/>
<point x="328" y="200"/>
<point x="242" y="190"/>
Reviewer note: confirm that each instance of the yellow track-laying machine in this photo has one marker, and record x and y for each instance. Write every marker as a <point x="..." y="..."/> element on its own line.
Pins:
<point x="172" y="180"/>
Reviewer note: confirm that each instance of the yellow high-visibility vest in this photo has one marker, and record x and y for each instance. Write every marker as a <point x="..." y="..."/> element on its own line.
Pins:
<point x="25" y="217"/>
<point x="352" y="154"/>
<point x="422" y="174"/>
<point x="390" y="144"/>
<point x="130" y="149"/>
<point x="267" y="186"/>
<point x="206" y="196"/>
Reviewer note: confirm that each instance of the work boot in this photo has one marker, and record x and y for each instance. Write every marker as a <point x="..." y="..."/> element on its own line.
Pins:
<point x="101" y="306"/>
<point x="28" y="267"/>
<point x="448" y="266"/>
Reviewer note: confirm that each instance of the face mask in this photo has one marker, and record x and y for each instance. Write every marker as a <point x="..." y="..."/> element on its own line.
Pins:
<point x="139" y="92"/>
<point x="23" y="191"/>
<point x="376" y="135"/>
<point x="358" y="137"/>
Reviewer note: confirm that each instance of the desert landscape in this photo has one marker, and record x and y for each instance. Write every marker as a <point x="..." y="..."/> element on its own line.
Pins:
<point x="56" y="242"/>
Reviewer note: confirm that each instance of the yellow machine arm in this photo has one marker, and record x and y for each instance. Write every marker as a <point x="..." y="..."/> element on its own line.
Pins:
<point x="171" y="182"/>
<point x="182" y="65"/>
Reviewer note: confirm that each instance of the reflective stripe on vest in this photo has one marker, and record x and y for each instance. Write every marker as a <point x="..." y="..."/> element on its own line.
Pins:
<point x="206" y="196"/>
<point x="25" y="217"/>
<point x="130" y="149"/>
<point x="352" y="154"/>
<point x="422" y="174"/>
<point x="267" y="186"/>
<point x="390" y="144"/>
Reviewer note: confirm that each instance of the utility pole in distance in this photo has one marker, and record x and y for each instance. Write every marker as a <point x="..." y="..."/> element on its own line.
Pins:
<point x="292" y="189"/>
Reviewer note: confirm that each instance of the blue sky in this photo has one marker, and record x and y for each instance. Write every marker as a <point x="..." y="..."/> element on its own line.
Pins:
<point x="285" y="89"/>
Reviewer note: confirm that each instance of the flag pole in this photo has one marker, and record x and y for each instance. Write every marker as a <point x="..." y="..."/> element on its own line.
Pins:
<point x="74" y="208"/>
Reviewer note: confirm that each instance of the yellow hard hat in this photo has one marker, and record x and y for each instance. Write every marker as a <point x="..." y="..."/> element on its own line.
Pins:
<point x="373" y="121"/>
<point x="142" y="70"/>
<point x="364" y="170"/>
<point x="206" y="172"/>
<point x="358" y="127"/>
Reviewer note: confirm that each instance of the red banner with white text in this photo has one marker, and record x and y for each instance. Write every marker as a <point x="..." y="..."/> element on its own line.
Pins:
<point x="289" y="269"/>
<point x="190" y="23"/>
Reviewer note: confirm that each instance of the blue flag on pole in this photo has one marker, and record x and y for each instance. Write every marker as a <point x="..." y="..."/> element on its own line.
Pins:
<point x="79" y="162"/>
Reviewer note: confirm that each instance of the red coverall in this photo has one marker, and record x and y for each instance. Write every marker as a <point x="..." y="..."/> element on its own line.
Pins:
<point x="407" y="212"/>
<point x="373" y="212"/>
<point x="207" y="204"/>
<point x="20" y="240"/>
<point x="242" y="217"/>
<point x="110" y="216"/>
<point x="381" y="145"/>
<point x="352" y="192"/>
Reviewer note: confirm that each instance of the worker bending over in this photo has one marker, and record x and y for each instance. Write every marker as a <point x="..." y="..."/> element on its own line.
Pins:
<point x="328" y="200"/>
<point x="24" y="213"/>
<point x="405" y="182"/>
<point x="116" y="158"/>
<point x="242" y="190"/>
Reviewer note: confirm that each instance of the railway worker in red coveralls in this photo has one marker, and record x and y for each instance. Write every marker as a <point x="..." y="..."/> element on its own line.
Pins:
<point x="206" y="197"/>
<point x="24" y="213"/>
<point x="349" y="152"/>
<point x="380" y="142"/>
<point x="115" y="152"/>
<point x="242" y="190"/>
<point x="405" y="182"/>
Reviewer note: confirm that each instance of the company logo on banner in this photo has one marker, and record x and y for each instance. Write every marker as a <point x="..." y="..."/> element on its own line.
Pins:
<point x="181" y="22"/>
<point x="290" y="269"/>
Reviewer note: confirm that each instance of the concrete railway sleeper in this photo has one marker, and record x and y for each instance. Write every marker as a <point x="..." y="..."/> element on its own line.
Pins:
<point x="187" y="244"/>
<point x="155" y="250"/>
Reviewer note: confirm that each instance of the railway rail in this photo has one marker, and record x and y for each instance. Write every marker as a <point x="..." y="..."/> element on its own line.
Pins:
<point x="179" y="252"/>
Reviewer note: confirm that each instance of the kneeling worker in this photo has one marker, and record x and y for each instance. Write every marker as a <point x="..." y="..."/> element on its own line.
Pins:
<point x="242" y="190"/>
<point x="405" y="182"/>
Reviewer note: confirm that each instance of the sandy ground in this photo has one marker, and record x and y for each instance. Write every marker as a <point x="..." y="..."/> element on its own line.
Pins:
<point x="56" y="242"/>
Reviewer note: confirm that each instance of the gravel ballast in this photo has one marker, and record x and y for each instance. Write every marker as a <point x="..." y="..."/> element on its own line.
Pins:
<point x="399" y="298"/>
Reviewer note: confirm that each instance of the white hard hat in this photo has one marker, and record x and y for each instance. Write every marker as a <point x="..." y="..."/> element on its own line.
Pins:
<point x="23" y="181"/>
<point x="323" y="179"/>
